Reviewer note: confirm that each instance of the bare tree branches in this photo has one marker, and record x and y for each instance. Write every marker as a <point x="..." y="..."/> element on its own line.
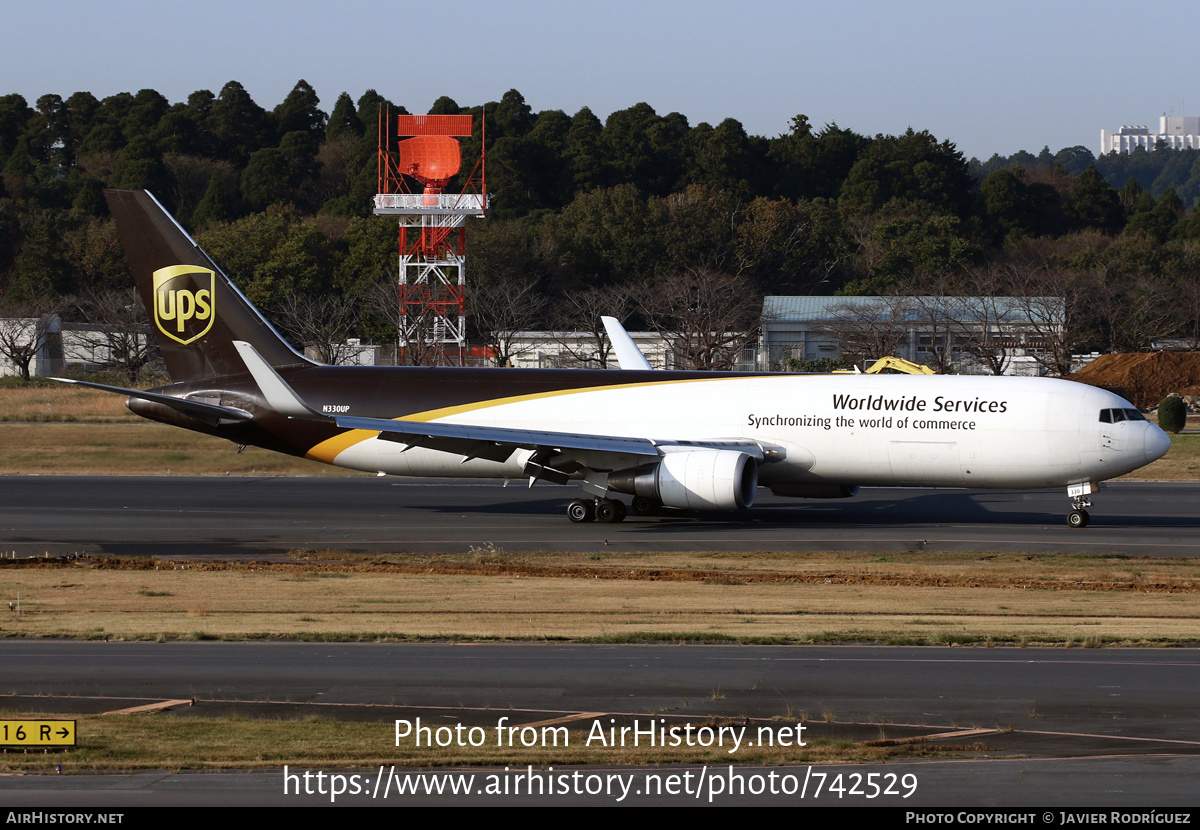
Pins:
<point x="1048" y="300"/>
<point x="989" y="318"/>
<point x="869" y="330"/>
<point x="576" y="312"/>
<point x="121" y="339"/>
<point x="24" y="329"/>
<point x="707" y="318"/>
<point x="500" y="309"/>
<point x="322" y="322"/>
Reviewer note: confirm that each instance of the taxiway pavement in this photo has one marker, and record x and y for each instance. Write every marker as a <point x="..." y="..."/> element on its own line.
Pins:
<point x="255" y="517"/>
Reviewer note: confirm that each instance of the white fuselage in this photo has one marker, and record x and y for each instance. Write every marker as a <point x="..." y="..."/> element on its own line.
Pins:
<point x="972" y="431"/>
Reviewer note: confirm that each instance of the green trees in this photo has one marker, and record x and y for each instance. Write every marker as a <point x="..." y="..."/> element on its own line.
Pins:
<point x="344" y="120"/>
<point x="814" y="165"/>
<point x="238" y="125"/>
<point x="1156" y="219"/>
<point x="584" y="161"/>
<point x="1012" y="206"/>
<point x="913" y="167"/>
<point x="282" y="174"/>
<point x="725" y="158"/>
<point x="620" y="207"/>
<point x="644" y="149"/>
<point x="215" y="206"/>
<point x="272" y="254"/>
<point x="14" y="118"/>
<point x="299" y="112"/>
<point x="139" y="167"/>
<point x="1094" y="203"/>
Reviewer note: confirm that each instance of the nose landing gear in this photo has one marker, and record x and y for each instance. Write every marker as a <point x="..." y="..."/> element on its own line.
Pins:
<point x="1078" y="517"/>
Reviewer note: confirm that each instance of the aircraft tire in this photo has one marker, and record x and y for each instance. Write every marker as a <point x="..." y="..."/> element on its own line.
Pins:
<point x="609" y="511"/>
<point x="643" y="506"/>
<point x="620" y="511"/>
<point x="581" y="510"/>
<point x="1078" y="518"/>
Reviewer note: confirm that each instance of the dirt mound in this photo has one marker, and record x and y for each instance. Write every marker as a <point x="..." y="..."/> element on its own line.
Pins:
<point x="1143" y="379"/>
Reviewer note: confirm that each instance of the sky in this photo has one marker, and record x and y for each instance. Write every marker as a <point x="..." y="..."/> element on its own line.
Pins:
<point x="991" y="77"/>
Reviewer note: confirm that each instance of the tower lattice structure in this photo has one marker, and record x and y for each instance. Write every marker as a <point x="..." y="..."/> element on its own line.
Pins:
<point x="432" y="290"/>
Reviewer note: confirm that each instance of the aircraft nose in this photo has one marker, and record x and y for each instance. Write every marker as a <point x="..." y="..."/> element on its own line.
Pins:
<point x="1157" y="443"/>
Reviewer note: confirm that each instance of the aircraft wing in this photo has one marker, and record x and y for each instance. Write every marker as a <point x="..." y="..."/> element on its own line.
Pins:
<point x="530" y="439"/>
<point x="489" y="442"/>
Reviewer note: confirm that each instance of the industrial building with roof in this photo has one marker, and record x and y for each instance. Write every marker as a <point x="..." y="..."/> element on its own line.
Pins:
<point x="928" y="330"/>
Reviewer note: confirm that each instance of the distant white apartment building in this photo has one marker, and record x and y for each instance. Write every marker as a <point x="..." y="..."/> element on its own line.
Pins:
<point x="1177" y="132"/>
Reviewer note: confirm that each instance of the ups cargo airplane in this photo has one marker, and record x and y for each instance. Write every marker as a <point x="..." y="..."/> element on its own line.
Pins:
<point x="689" y="440"/>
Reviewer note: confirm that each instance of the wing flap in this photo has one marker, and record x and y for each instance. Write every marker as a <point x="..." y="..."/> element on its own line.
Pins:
<point x="424" y="433"/>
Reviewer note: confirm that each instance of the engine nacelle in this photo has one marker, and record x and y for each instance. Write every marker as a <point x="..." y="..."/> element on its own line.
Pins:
<point x="815" y="491"/>
<point x="700" y="479"/>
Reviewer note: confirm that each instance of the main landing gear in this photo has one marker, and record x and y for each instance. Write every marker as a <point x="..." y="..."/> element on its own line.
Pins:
<point x="596" y="510"/>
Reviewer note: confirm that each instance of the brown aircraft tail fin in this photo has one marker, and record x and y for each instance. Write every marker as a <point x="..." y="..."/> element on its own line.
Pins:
<point x="196" y="312"/>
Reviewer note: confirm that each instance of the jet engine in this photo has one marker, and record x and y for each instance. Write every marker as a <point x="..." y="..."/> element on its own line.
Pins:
<point x="701" y="479"/>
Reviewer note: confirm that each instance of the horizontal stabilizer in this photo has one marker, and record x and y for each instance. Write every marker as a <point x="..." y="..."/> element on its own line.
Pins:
<point x="207" y="413"/>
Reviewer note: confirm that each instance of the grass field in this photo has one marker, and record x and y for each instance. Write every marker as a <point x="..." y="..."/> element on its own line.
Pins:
<point x="139" y="448"/>
<point x="916" y="597"/>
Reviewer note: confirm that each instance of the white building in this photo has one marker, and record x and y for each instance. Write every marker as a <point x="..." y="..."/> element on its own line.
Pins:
<point x="1177" y="132"/>
<point x="579" y="350"/>
<point x="62" y="346"/>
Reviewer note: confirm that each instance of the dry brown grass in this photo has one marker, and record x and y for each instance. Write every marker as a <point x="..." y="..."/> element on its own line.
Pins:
<point x="138" y="448"/>
<point x="755" y="598"/>
<point x="62" y="403"/>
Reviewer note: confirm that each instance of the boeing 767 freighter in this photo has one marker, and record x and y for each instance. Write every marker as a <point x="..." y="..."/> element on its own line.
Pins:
<point x="690" y="440"/>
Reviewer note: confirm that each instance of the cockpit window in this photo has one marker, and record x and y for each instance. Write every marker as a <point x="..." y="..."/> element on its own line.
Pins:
<point x="1114" y="416"/>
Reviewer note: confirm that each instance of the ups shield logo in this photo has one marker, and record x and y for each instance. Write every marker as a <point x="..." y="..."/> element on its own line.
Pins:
<point x="183" y="302"/>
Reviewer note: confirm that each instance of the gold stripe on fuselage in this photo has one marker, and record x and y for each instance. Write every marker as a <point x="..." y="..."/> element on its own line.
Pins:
<point x="329" y="449"/>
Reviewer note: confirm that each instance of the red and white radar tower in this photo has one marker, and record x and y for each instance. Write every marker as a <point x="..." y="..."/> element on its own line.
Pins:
<point x="433" y="241"/>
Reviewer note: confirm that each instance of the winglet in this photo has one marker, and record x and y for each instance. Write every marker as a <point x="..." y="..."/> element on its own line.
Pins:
<point x="279" y="395"/>
<point x="629" y="356"/>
